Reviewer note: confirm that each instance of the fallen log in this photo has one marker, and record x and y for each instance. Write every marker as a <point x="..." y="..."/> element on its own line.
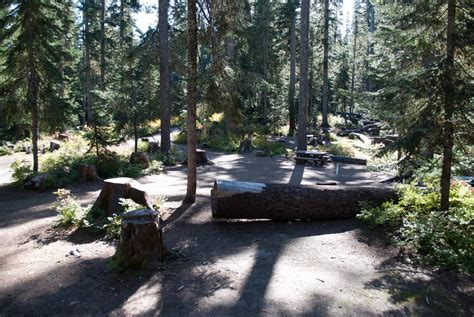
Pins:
<point x="244" y="200"/>
<point x="120" y="187"/>
<point x="348" y="160"/>
<point x="360" y="136"/>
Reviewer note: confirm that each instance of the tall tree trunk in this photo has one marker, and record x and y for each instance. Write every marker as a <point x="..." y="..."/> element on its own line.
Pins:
<point x="448" y="128"/>
<point x="354" y="50"/>
<point x="87" y="65"/>
<point x="32" y="92"/>
<point x="264" y="71"/>
<point x="303" y="98"/>
<point x="291" y="94"/>
<point x="192" y="96"/>
<point x="164" y="78"/>
<point x="102" y="45"/>
<point x="325" y="123"/>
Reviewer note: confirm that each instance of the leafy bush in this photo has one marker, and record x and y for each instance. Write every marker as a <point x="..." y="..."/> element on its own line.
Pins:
<point x="339" y="149"/>
<point x="69" y="210"/>
<point x="21" y="171"/>
<point x="5" y="150"/>
<point x="415" y="222"/>
<point x="269" y="147"/>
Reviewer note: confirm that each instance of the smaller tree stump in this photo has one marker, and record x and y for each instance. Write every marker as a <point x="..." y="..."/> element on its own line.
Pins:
<point x="63" y="137"/>
<point x="141" y="238"/>
<point x="140" y="158"/>
<point x="120" y="187"/>
<point x="246" y="146"/>
<point x="153" y="147"/>
<point x="86" y="172"/>
<point x="53" y="146"/>
<point x="201" y="158"/>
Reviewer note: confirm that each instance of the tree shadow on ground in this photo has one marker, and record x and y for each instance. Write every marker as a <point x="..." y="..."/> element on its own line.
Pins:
<point x="420" y="291"/>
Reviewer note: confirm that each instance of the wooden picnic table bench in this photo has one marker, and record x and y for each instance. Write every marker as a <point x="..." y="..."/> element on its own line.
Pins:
<point x="315" y="157"/>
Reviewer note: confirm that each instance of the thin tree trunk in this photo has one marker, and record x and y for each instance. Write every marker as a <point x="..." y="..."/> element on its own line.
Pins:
<point x="448" y="128"/>
<point x="354" y="49"/>
<point x="264" y="71"/>
<point x="164" y="78"/>
<point x="325" y="123"/>
<point x="32" y="93"/>
<point x="303" y="98"/>
<point x="102" y="45"/>
<point x="192" y="96"/>
<point x="291" y="94"/>
<point x="87" y="66"/>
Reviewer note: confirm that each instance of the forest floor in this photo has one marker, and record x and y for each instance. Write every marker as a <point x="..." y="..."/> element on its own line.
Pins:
<point x="246" y="268"/>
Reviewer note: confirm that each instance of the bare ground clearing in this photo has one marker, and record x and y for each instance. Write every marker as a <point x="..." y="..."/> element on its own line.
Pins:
<point x="252" y="268"/>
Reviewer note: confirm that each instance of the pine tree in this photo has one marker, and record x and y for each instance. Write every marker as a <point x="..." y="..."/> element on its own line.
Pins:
<point x="164" y="77"/>
<point x="303" y="99"/>
<point x="32" y="63"/>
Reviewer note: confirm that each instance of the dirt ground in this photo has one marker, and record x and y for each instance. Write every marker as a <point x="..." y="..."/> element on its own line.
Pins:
<point x="246" y="268"/>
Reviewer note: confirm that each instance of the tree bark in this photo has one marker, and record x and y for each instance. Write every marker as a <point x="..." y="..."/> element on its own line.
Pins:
<point x="141" y="239"/>
<point x="121" y="187"/>
<point x="87" y="65"/>
<point x="448" y="128"/>
<point x="303" y="98"/>
<point x="354" y="50"/>
<point x="102" y="45"/>
<point x="291" y="94"/>
<point x="242" y="200"/>
<point x="325" y="123"/>
<point x="192" y="95"/>
<point x="164" y="78"/>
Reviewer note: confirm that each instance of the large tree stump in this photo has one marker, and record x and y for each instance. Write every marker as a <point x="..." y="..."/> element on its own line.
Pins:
<point x="140" y="158"/>
<point x="243" y="200"/>
<point x="201" y="158"/>
<point x="153" y="147"/>
<point x="141" y="238"/>
<point x="121" y="187"/>
<point x="53" y="146"/>
<point x="86" y="172"/>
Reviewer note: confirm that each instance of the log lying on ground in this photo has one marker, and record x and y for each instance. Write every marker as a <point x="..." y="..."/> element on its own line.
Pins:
<point x="360" y="136"/>
<point x="120" y="187"/>
<point x="243" y="200"/>
<point x="141" y="238"/>
<point x="348" y="160"/>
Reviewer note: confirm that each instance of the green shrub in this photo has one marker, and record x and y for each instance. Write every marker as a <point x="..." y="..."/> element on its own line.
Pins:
<point x="339" y="149"/>
<point x="69" y="210"/>
<point x="415" y="222"/>
<point x="269" y="147"/>
<point x="5" y="150"/>
<point x="21" y="172"/>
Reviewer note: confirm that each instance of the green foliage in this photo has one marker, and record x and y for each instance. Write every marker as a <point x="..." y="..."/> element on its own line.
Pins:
<point x="70" y="212"/>
<point x="342" y="149"/>
<point x="415" y="223"/>
<point x="21" y="171"/>
<point x="269" y="147"/>
<point x="5" y="150"/>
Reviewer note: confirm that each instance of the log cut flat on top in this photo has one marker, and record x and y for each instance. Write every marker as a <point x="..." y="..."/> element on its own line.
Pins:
<point x="244" y="200"/>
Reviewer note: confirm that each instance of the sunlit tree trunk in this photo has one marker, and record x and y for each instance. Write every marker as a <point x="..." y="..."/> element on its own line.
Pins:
<point x="164" y="77"/>
<point x="291" y="94"/>
<point x="87" y="65"/>
<point x="448" y="128"/>
<point x="102" y="45"/>
<point x="354" y="50"/>
<point x="192" y="96"/>
<point x="303" y="98"/>
<point x="325" y="123"/>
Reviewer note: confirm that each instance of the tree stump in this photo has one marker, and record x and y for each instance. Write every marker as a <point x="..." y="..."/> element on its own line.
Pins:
<point x="63" y="137"/>
<point x="86" y="172"/>
<point x="141" y="238"/>
<point x="53" y="146"/>
<point x="140" y="158"/>
<point x="120" y="187"/>
<point x="153" y="147"/>
<point x="245" y="146"/>
<point x="201" y="158"/>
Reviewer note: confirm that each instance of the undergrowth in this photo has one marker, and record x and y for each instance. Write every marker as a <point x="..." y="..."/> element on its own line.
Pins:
<point x="444" y="238"/>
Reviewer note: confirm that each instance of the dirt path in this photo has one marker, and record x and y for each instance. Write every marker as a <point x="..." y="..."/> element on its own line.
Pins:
<point x="264" y="268"/>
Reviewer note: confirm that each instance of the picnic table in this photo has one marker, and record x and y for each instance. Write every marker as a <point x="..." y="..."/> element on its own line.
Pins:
<point x="315" y="157"/>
